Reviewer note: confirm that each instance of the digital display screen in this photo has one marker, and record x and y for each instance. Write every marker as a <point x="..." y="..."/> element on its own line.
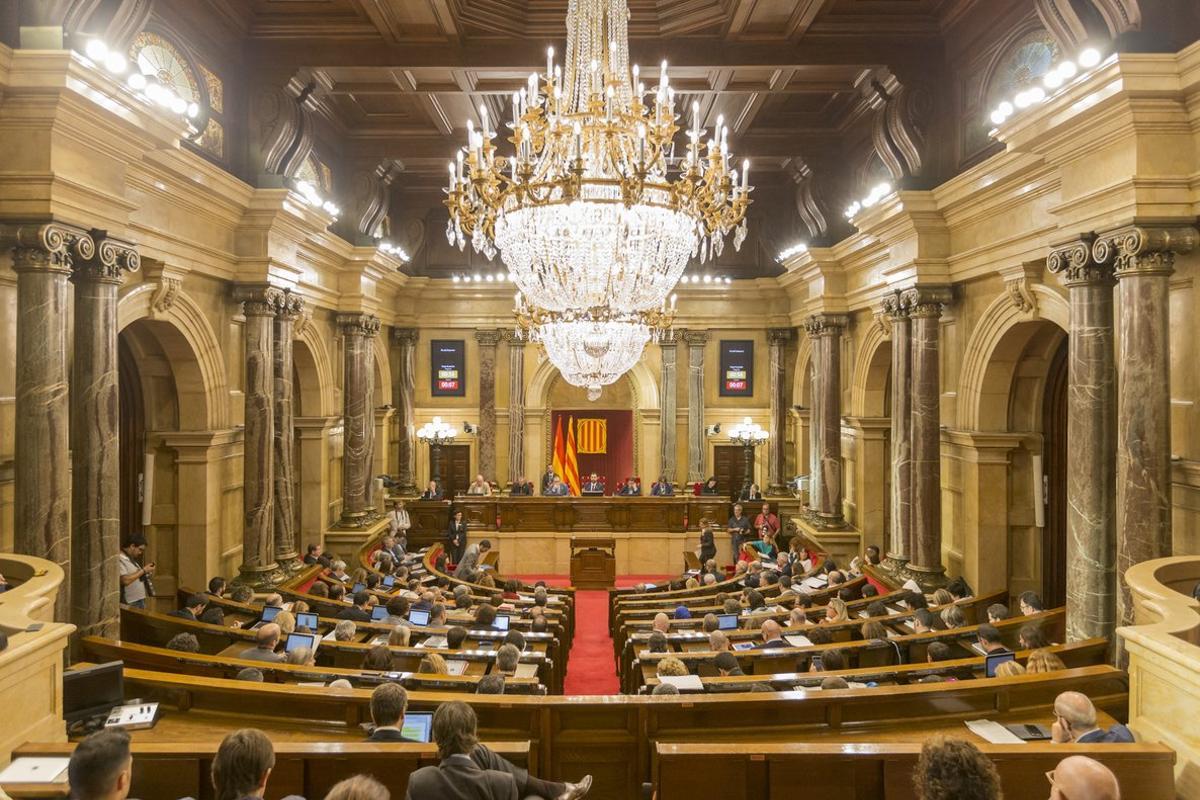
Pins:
<point x="447" y="361"/>
<point x="737" y="368"/>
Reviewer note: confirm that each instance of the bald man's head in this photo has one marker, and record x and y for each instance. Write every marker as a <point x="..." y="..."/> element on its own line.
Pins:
<point x="662" y="622"/>
<point x="1074" y="716"/>
<point x="1083" y="778"/>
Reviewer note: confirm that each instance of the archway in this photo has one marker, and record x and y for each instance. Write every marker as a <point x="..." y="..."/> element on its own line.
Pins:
<point x="1013" y="452"/>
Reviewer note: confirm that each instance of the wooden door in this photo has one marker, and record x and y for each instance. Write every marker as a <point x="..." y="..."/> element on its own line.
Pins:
<point x="131" y="439"/>
<point x="729" y="465"/>
<point x="456" y="469"/>
<point x="1054" y="449"/>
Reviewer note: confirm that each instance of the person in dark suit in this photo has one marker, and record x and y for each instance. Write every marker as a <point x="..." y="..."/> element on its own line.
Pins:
<point x="432" y="492"/>
<point x="772" y="634"/>
<point x="388" y="702"/>
<point x="456" y="537"/>
<point x="196" y="604"/>
<point x="471" y="770"/>
<point x="358" y="612"/>
<point x="1075" y="721"/>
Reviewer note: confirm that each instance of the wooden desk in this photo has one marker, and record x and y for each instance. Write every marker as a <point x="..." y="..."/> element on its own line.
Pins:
<point x="757" y="771"/>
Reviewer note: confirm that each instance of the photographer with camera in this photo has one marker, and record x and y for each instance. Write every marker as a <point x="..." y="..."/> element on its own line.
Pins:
<point x="135" y="577"/>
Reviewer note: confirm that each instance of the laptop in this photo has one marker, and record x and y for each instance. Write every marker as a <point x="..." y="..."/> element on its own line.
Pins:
<point x="417" y="726"/>
<point x="295" y="640"/>
<point x="379" y="613"/>
<point x="727" y="622"/>
<point x="994" y="660"/>
<point x="418" y="616"/>
<point x="306" y="619"/>
<point x="501" y="623"/>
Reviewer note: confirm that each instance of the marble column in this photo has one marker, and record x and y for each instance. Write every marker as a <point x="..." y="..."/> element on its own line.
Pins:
<point x="1092" y="441"/>
<point x="777" y="341"/>
<point x="925" y="548"/>
<point x="825" y="330"/>
<point x="259" y="305"/>
<point x="358" y="332"/>
<point x="486" y="437"/>
<point x="287" y="553"/>
<point x="668" y="394"/>
<point x="697" y="445"/>
<point x="95" y="420"/>
<point x="1143" y="260"/>
<point x="42" y="259"/>
<point x="516" y="406"/>
<point x="900" y="502"/>
<point x="406" y="379"/>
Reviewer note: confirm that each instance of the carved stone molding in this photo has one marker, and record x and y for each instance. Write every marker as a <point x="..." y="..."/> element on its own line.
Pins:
<point x="1142" y="250"/>
<point x="826" y="324"/>
<point x="1072" y="261"/>
<point x="1019" y="282"/>
<point x="49" y="246"/>
<point x="358" y="324"/>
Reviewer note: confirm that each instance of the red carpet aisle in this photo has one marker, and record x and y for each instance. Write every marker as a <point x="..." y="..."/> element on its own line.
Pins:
<point x="590" y="666"/>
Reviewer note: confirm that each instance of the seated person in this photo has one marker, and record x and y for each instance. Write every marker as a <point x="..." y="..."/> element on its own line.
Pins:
<point x="388" y="702"/>
<point x="662" y="487"/>
<point x="196" y="603"/>
<point x="359" y="612"/>
<point x="557" y="488"/>
<point x="469" y="769"/>
<point x="101" y="767"/>
<point x="593" y="485"/>
<point x="1075" y="722"/>
<point x="243" y="765"/>
<point x="1083" y="778"/>
<point x="432" y="492"/>
<point x="480" y="487"/>
<point x="522" y="487"/>
<point x="266" y="640"/>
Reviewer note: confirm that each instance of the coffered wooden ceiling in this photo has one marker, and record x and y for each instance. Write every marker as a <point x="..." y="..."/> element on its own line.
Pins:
<point x="400" y="78"/>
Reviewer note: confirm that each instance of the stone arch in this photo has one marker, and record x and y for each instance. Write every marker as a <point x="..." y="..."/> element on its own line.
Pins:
<point x="872" y="375"/>
<point x="314" y="389"/>
<point x="191" y="346"/>
<point x="991" y="356"/>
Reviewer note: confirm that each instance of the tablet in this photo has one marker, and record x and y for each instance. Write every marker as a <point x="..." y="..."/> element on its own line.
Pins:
<point x="306" y="620"/>
<point x="991" y="662"/>
<point x="417" y="726"/>
<point x="727" y="622"/>
<point x="418" y="616"/>
<point x="501" y="623"/>
<point x="379" y="613"/>
<point x="295" y="640"/>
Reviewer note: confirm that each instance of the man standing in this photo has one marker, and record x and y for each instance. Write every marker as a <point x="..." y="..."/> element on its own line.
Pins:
<point x="135" y="578"/>
<point x="739" y="530"/>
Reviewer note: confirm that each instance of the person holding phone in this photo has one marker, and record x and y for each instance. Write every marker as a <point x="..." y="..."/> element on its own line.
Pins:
<point x="135" y="577"/>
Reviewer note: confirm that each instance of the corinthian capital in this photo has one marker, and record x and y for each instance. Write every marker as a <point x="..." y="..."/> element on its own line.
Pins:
<point x="826" y="324"/>
<point x="50" y="246"/>
<point x="1144" y="250"/>
<point x="358" y="324"/>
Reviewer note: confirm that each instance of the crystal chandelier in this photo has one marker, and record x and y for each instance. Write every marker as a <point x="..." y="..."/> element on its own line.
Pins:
<point x="596" y="214"/>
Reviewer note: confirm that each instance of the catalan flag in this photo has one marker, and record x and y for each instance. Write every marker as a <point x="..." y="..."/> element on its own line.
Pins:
<point x="571" y="463"/>
<point x="560" y="452"/>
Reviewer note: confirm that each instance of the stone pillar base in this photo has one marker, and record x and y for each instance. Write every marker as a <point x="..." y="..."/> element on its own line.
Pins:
<point x="928" y="578"/>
